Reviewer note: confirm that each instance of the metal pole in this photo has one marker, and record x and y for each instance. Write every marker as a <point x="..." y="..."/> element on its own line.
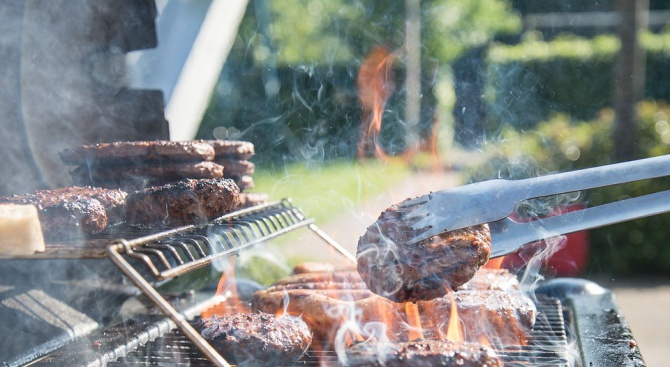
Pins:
<point x="179" y="319"/>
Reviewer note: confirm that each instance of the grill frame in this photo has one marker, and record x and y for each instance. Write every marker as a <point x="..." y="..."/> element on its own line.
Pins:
<point x="235" y="232"/>
<point x="547" y="346"/>
<point x="583" y="301"/>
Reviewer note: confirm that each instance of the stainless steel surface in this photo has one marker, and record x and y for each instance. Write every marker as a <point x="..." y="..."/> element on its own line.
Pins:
<point x="508" y="236"/>
<point x="494" y="200"/>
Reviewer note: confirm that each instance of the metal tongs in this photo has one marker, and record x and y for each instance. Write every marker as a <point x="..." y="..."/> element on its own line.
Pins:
<point x="493" y="201"/>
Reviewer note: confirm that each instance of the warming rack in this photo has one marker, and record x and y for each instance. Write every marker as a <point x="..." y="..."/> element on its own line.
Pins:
<point x="170" y="254"/>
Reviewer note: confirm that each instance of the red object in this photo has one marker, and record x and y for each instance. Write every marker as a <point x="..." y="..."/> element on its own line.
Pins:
<point x="570" y="260"/>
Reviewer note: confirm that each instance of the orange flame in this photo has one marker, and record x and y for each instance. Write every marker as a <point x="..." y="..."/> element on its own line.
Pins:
<point x="483" y="340"/>
<point x="375" y="85"/>
<point x="454" y="330"/>
<point x="227" y="290"/>
<point x="413" y="320"/>
<point x="494" y="264"/>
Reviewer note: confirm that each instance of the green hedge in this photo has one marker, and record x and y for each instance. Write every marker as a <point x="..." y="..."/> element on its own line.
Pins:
<point x="530" y="80"/>
<point x="560" y="144"/>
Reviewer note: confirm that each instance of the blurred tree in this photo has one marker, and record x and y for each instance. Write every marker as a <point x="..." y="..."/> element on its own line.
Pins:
<point x="324" y="38"/>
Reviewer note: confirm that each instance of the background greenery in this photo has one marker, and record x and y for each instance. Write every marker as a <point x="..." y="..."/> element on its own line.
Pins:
<point x="325" y="190"/>
<point x="544" y="102"/>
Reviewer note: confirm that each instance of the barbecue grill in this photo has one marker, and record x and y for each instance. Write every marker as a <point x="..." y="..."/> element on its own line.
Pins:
<point x="579" y="323"/>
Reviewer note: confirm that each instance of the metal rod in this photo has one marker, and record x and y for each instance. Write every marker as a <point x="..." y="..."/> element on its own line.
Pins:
<point x="179" y="320"/>
<point x="333" y="243"/>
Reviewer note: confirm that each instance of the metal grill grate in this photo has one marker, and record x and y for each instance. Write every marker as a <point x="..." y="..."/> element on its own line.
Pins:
<point x="173" y="253"/>
<point x="547" y="346"/>
<point x="180" y="252"/>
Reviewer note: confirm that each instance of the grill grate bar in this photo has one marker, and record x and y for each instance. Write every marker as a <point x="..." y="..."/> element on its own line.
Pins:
<point x="180" y="252"/>
<point x="547" y="346"/>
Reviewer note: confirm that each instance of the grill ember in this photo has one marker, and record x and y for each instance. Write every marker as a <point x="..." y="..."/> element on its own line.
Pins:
<point x="341" y="313"/>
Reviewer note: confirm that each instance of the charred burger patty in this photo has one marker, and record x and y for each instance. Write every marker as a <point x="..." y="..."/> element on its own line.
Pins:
<point x="256" y="339"/>
<point x="425" y="270"/>
<point x="423" y="353"/>
<point x="185" y="202"/>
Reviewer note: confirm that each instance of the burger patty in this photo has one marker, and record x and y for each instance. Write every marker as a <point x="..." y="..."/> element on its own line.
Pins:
<point x="320" y="267"/>
<point x="256" y="339"/>
<point x="250" y="199"/>
<point x="492" y="279"/>
<point x="503" y="318"/>
<point x="74" y="210"/>
<point x="236" y="167"/>
<point x="233" y="149"/>
<point x="425" y="270"/>
<point x="422" y="353"/>
<point x="125" y="152"/>
<point x="185" y="202"/>
<point x="115" y="176"/>
<point x="244" y="182"/>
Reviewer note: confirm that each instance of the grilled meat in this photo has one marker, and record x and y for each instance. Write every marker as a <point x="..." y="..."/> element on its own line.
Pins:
<point x="249" y="199"/>
<point x="320" y="267"/>
<point x="244" y="182"/>
<point x="135" y="165"/>
<point x="422" y="353"/>
<point x="344" y="276"/>
<point x="327" y="300"/>
<point x="236" y="168"/>
<point x="326" y="311"/>
<point x="256" y="339"/>
<point x="425" y="270"/>
<point x="503" y="318"/>
<point x="334" y="288"/>
<point x="185" y="202"/>
<point x="231" y="149"/>
<point x="71" y="211"/>
<point x="128" y="152"/>
<point x="135" y="177"/>
<point x="492" y="279"/>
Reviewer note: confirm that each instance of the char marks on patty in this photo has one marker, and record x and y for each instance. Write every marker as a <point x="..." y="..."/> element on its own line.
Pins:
<point x="256" y="339"/>
<point x="126" y="152"/>
<point x="422" y="353"/>
<point x="232" y="149"/>
<point x="425" y="270"/>
<point x="185" y="202"/>
<point x="72" y="211"/>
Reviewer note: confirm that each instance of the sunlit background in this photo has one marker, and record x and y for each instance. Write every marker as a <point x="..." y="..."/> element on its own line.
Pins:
<point x="472" y="90"/>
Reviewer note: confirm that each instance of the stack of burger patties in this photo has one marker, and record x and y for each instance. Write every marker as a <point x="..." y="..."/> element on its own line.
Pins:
<point x="135" y="165"/>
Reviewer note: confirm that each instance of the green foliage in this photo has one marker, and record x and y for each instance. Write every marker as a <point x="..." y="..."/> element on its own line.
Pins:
<point x="599" y="48"/>
<point x="334" y="186"/>
<point x="310" y="31"/>
<point x="656" y="43"/>
<point x="561" y="144"/>
<point x="533" y="79"/>
<point x="333" y="31"/>
<point x="455" y="26"/>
